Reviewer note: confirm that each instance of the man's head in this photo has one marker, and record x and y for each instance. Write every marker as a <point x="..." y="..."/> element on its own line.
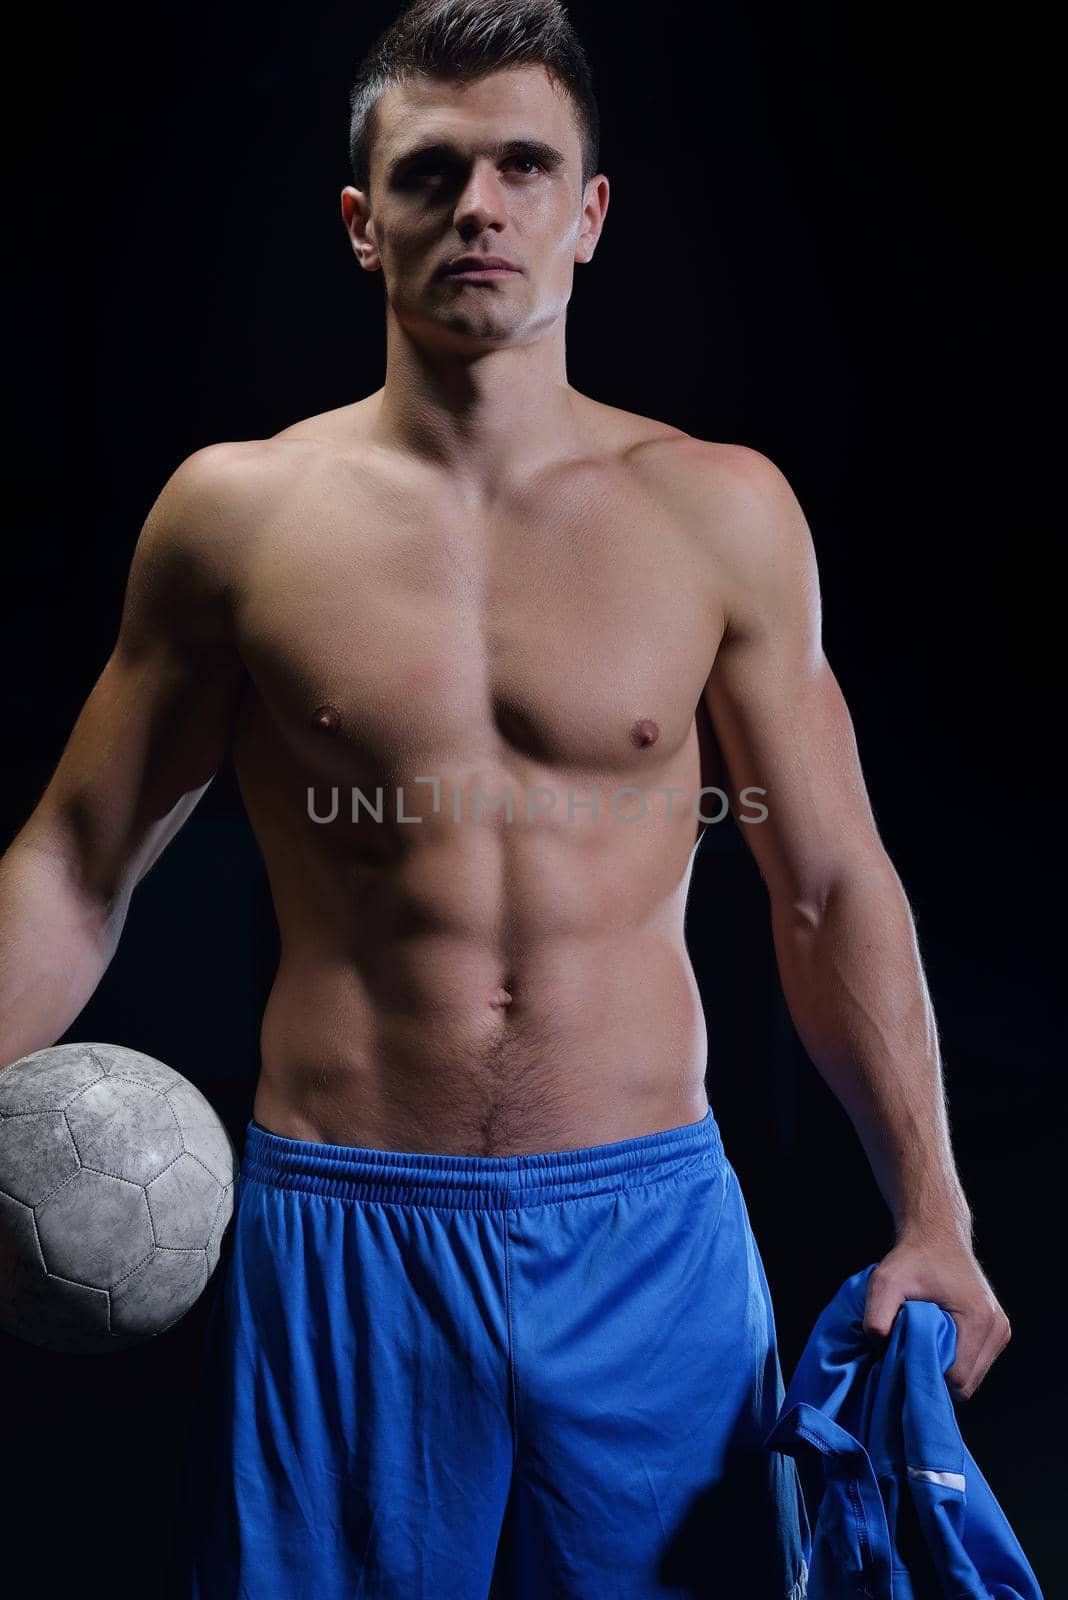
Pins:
<point x="475" y="132"/>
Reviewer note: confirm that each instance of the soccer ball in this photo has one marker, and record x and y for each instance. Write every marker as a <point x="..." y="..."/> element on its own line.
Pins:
<point x="117" y="1181"/>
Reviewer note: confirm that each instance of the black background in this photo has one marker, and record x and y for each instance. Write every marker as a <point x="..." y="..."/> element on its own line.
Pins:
<point x="859" y="286"/>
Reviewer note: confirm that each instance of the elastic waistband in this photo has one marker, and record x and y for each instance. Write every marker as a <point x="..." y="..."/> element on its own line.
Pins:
<point x="353" y="1172"/>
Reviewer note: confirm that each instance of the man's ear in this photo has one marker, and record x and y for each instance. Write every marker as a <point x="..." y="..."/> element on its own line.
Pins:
<point x="359" y="225"/>
<point x="595" y="206"/>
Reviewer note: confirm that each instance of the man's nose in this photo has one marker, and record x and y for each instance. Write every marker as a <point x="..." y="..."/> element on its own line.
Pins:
<point x="480" y="203"/>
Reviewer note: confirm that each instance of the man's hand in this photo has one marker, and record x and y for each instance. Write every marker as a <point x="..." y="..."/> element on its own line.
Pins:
<point x="942" y="1269"/>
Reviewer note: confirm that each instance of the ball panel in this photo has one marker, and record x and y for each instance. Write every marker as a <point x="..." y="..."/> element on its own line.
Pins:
<point x="95" y="1229"/>
<point x="120" y="1060"/>
<point x="37" y="1155"/>
<point x="220" y="1225"/>
<point x="20" y="1249"/>
<point x="158" y="1292"/>
<point x="46" y="1080"/>
<point x="57" y="1315"/>
<point x="202" y="1131"/>
<point x="122" y="1127"/>
<point x="183" y="1202"/>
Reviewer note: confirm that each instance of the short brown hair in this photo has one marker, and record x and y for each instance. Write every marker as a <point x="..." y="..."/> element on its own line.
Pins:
<point x="469" y="38"/>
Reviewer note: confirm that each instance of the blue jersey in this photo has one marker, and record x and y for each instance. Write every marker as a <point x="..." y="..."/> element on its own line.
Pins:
<point x="905" y="1512"/>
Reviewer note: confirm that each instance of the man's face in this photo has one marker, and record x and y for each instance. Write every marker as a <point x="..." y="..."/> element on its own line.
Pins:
<point x="489" y="167"/>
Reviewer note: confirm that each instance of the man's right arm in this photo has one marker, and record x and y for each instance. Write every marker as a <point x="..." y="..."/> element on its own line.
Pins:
<point x="145" y="746"/>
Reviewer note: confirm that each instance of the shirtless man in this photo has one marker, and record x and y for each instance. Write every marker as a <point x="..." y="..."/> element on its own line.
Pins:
<point x="494" y="1314"/>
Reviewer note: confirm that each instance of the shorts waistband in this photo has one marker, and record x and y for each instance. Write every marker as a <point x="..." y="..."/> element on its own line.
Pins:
<point x="355" y="1172"/>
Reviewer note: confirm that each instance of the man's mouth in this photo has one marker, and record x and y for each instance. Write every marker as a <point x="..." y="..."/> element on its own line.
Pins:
<point x="479" y="268"/>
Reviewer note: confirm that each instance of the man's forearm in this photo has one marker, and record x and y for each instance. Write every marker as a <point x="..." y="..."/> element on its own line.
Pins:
<point x="853" y="980"/>
<point x="55" y="945"/>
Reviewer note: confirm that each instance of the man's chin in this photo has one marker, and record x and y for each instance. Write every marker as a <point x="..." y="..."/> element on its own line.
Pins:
<point x="484" y="329"/>
<point x="469" y="324"/>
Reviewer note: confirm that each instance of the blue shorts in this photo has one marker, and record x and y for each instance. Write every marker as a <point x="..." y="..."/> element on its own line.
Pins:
<point x="451" y="1377"/>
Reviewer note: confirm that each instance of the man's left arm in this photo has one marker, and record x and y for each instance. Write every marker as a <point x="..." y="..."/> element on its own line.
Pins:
<point x="844" y="935"/>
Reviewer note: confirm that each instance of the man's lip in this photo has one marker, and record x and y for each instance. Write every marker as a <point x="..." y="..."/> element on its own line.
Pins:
<point x="482" y="274"/>
<point x="477" y="269"/>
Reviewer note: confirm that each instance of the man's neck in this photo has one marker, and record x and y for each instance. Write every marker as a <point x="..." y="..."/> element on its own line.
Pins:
<point x="485" y="421"/>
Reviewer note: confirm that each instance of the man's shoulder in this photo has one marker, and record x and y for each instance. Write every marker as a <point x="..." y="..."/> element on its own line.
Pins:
<point x="204" y="519"/>
<point x="717" y="479"/>
<point x="226" y="477"/>
<point x="235" y="481"/>
<point x="702" y="466"/>
<point x="738" y="506"/>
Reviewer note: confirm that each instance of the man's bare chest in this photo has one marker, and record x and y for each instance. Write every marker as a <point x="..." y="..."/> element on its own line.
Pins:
<point x="574" y="627"/>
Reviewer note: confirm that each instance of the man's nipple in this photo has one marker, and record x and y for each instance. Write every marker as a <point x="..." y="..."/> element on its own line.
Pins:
<point x="327" y="718"/>
<point x="645" y="732"/>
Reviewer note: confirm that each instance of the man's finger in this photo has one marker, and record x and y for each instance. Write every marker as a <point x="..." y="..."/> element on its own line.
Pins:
<point x="967" y="1373"/>
<point x="883" y="1304"/>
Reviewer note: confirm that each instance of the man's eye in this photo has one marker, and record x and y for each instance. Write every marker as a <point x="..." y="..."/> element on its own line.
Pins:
<point x="439" y="169"/>
<point x="425" y="169"/>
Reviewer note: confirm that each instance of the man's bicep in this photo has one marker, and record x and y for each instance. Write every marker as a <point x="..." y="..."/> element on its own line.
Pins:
<point x="789" y="747"/>
<point x="776" y="707"/>
<point x="153" y="730"/>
